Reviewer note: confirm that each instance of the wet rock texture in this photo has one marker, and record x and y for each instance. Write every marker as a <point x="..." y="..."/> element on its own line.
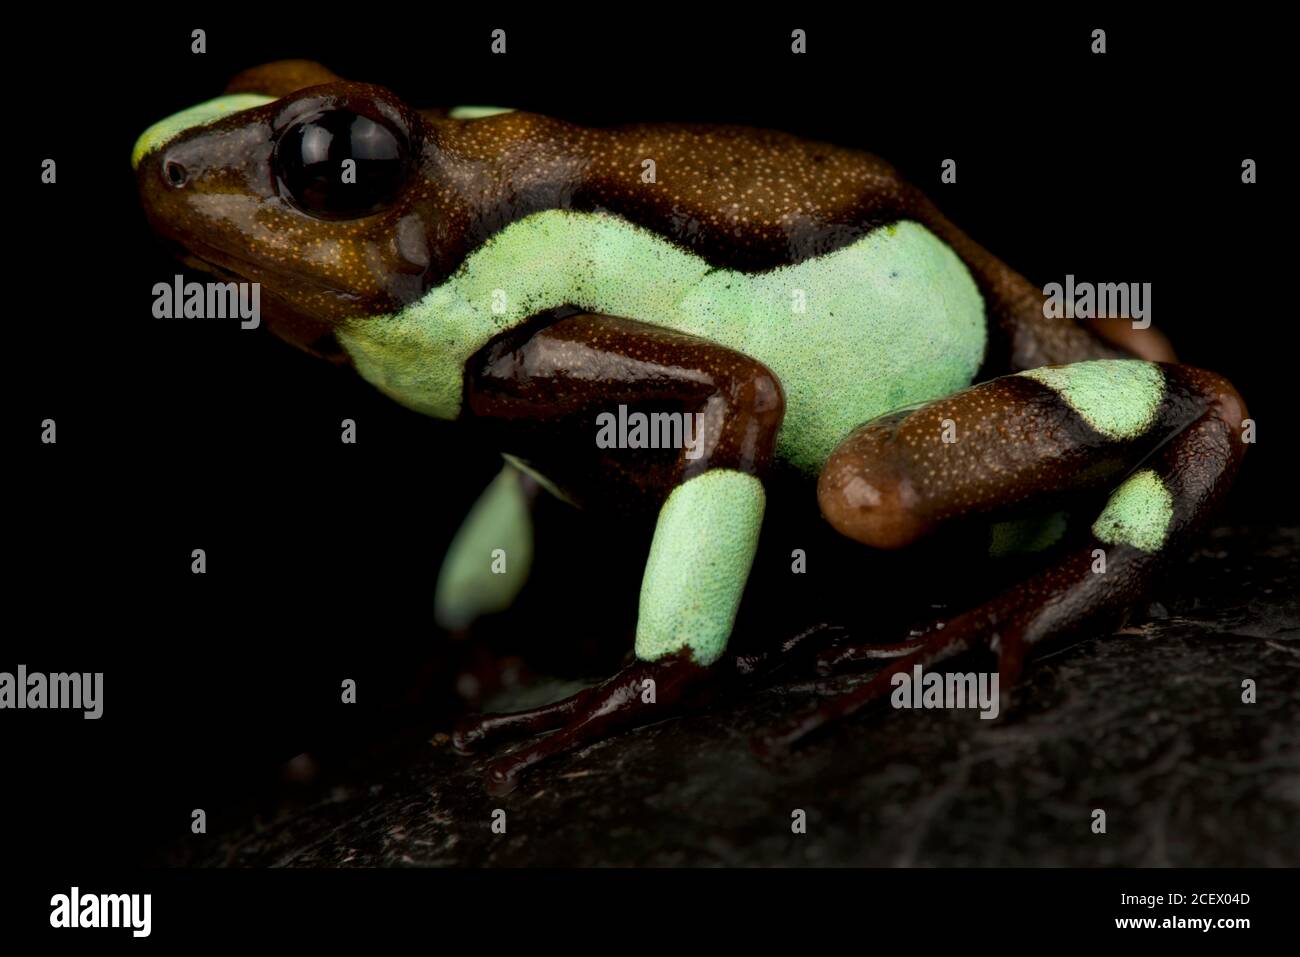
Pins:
<point x="1147" y="724"/>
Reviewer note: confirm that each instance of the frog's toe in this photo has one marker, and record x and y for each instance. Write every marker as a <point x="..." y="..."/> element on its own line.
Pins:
<point x="960" y="635"/>
<point x="839" y="658"/>
<point x="477" y="731"/>
<point x="642" y="693"/>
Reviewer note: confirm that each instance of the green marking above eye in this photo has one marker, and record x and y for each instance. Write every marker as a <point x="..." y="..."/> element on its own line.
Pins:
<point x="1138" y="513"/>
<point x="476" y="112"/>
<point x="164" y="131"/>
<point x="1117" y="397"/>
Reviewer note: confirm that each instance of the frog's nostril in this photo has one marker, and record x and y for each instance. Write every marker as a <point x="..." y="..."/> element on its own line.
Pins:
<point x="175" y="173"/>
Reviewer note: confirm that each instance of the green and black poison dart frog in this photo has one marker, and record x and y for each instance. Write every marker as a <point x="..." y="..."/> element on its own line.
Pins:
<point x="820" y="317"/>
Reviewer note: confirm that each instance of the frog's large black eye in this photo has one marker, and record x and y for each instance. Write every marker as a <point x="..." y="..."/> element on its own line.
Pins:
<point x="311" y="163"/>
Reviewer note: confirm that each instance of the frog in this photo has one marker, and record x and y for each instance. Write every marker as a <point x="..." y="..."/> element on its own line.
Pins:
<point x="815" y="317"/>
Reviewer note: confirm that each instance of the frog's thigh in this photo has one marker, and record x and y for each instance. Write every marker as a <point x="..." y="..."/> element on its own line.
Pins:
<point x="489" y="559"/>
<point x="1003" y="447"/>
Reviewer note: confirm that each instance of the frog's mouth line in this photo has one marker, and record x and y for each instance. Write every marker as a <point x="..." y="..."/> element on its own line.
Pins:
<point x="226" y="266"/>
<point x="222" y="274"/>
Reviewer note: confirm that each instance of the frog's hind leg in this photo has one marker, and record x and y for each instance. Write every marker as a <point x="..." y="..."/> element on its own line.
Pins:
<point x="1167" y="439"/>
<point x="1023" y="334"/>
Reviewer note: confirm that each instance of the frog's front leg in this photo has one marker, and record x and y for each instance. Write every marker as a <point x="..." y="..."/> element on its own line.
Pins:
<point x="499" y="523"/>
<point x="1166" y="439"/>
<point x="545" y="394"/>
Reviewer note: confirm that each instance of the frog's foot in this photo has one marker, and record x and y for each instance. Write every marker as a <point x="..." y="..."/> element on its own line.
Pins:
<point x="1166" y="440"/>
<point x="842" y="657"/>
<point x="796" y="652"/>
<point x="977" y="629"/>
<point x="641" y="693"/>
<point x="823" y="649"/>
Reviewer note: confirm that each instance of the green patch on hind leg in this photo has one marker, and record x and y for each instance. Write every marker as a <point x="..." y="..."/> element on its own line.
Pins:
<point x="1117" y="397"/>
<point x="1138" y="514"/>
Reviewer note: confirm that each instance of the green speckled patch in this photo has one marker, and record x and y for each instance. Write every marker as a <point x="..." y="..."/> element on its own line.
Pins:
<point x="467" y="586"/>
<point x="1027" y="535"/>
<point x="476" y="112"/>
<point x="1137" y="514"/>
<point x="699" y="562"/>
<point x="166" y="130"/>
<point x="893" y="319"/>
<point x="1117" y="397"/>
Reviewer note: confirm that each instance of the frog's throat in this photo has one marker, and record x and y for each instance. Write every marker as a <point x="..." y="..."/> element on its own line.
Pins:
<point x="895" y="318"/>
<point x="164" y="131"/>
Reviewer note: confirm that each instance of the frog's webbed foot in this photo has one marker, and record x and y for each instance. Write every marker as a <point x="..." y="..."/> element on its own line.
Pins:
<point x="624" y="701"/>
<point x="642" y="693"/>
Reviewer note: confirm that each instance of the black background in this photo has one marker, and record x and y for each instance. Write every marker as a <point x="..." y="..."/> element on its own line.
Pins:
<point x="322" y="557"/>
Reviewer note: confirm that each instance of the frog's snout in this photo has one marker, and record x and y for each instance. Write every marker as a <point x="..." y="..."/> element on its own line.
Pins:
<point x="204" y="114"/>
<point x="203" y="184"/>
<point x="164" y="172"/>
<point x="261" y="190"/>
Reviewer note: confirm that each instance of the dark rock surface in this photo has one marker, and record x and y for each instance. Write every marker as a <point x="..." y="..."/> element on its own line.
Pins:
<point x="1147" y="724"/>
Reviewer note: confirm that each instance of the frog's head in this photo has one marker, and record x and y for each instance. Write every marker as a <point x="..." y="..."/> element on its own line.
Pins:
<point x="255" y="187"/>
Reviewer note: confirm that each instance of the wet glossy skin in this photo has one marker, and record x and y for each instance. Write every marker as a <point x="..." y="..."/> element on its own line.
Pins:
<point x="1163" y="439"/>
<point x="216" y="194"/>
<point x="741" y="198"/>
<point x="537" y="392"/>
